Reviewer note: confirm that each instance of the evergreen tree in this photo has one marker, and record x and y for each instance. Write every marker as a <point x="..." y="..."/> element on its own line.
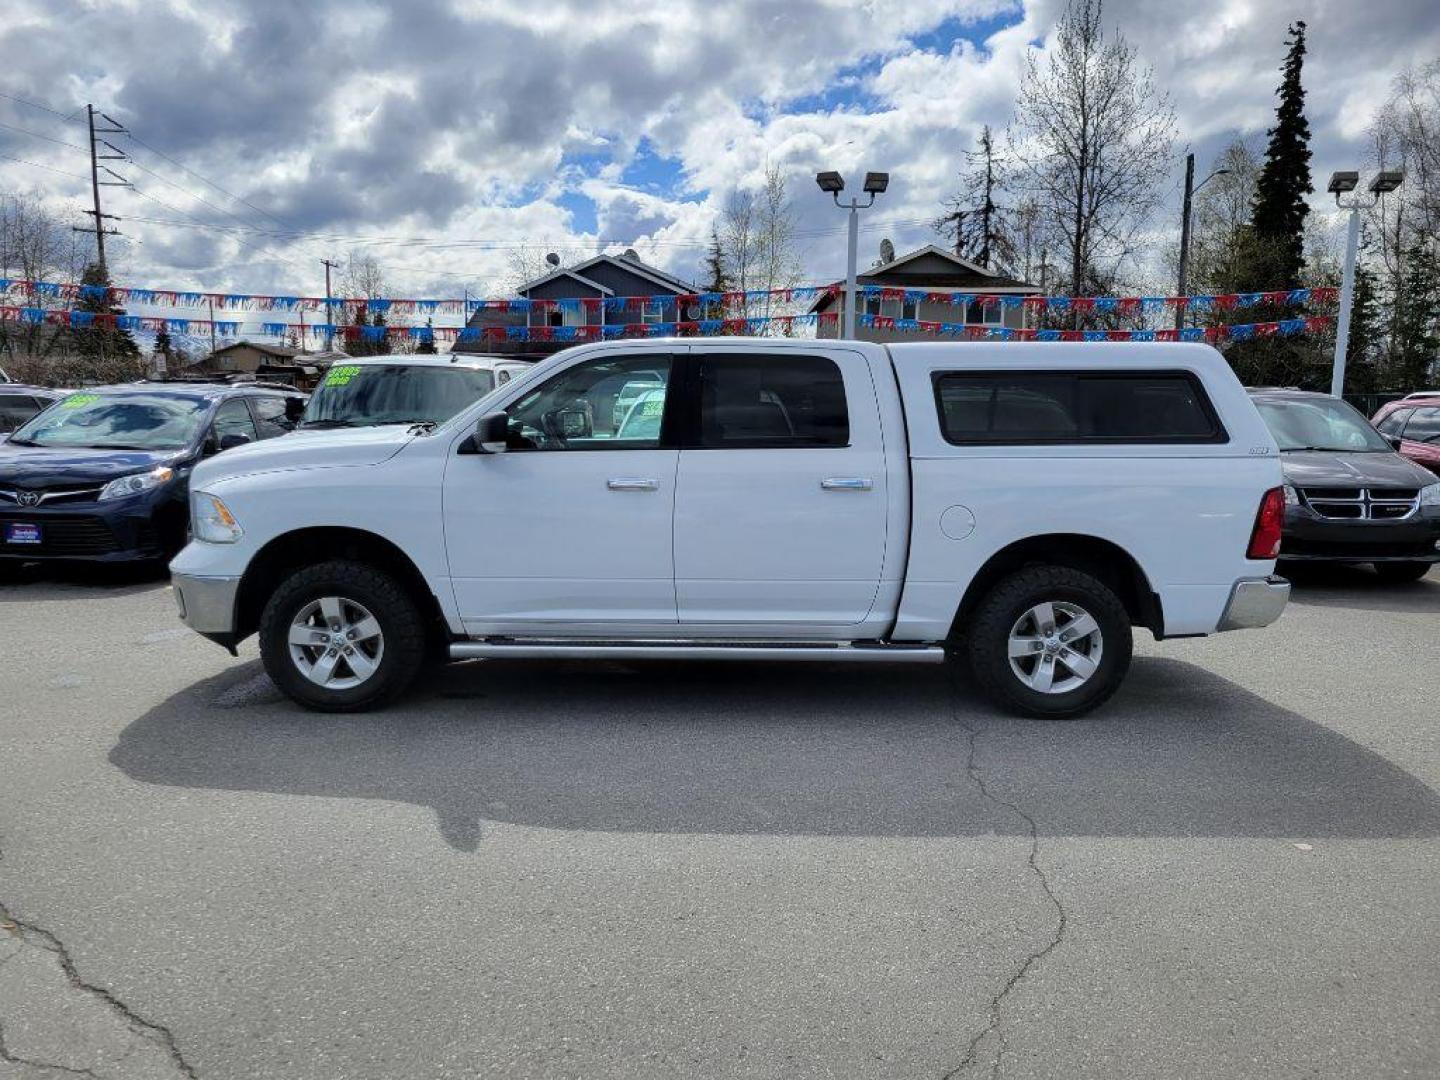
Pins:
<point x="1416" y="345"/>
<point x="1362" y="351"/>
<point x="1278" y="218"/>
<point x="163" y="347"/>
<point x="717" y="277"/>
<point x="427" y="344"/>
<point x="107" y="351"/>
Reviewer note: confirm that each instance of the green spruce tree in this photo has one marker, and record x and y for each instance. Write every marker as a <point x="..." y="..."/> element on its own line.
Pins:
<point x="106" y="352"/>
<point x="1278" y="218"/>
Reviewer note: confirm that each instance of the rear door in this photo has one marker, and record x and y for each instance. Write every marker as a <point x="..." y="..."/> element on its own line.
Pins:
<point x="781" y="494"/>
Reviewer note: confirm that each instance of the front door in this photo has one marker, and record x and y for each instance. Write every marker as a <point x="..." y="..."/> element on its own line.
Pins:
<point x="569" y="530"/>
<point x="781" y="504"/>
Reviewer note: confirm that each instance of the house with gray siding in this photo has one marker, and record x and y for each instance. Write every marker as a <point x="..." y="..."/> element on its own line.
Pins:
<point x="590" y="283"/>
<point x="932" y="270"/>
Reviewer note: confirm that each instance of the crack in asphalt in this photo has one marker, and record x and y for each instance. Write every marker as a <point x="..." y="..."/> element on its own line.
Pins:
<point x="972" y="770"/>
<point x="16" y="1059"/>
<point x="140" y="1025"/>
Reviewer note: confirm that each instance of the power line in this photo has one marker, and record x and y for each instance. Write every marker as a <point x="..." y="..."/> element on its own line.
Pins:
<point x="37" y="105"/>
<point x="37" y="135"/>
<point x="47" y="168"/>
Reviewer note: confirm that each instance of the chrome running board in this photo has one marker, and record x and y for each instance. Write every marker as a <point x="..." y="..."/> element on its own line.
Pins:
<point x="554" y="649"/>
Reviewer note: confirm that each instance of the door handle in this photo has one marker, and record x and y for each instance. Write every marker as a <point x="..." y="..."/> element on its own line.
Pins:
<point x="847" y="483"/>
<point x="632" y="483"/>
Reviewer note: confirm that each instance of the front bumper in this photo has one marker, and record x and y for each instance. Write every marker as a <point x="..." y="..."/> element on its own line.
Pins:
<point x="1307" y="537"/>
<point x="119" y="531"/>
<point x="1255" y="602"/>
<point x="207" y="605"/>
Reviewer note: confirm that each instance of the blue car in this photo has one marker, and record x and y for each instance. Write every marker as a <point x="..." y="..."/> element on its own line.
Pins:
<point x="103" y="474"/>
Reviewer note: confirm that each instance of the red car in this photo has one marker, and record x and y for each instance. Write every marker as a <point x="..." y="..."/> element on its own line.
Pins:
<point x="1415" y="422"/>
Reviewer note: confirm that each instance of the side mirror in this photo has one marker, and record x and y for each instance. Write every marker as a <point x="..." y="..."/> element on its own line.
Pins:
<point x="490" y="433"/>
<point x="232" y="439"/>
<point x="294" y="409"/>
<point x="1395" y="441"/>
<point x="574" y="423"/>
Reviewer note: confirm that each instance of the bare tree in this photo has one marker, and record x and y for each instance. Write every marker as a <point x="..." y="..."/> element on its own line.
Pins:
<point x="1092" y="141"/>
<point x="362" y="278"/>
<point x="1220" y="221"/>
<point x="35" y="245"/>
<point x="739" y="238"/>
<point x="777" y="264"/>
<point x="1406" y="136"/>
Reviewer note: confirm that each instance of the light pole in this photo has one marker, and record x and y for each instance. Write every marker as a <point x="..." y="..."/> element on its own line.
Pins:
<point x="1342" y="183"/>
<point x="834" y="183"/>
<point x="1190" y="189"/>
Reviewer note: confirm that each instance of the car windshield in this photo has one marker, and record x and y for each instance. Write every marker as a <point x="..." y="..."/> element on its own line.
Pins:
<point x="359" y="395"/>
<point x="135" y="421"/>
<point x="1318" y="424"/>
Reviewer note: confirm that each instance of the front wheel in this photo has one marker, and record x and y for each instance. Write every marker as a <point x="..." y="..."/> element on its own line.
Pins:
<point x="1399" y="572"/>
<point x="1049" y="642"/>
<point x="341" y="637"/>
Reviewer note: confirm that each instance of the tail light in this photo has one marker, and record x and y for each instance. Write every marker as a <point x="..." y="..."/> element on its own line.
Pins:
<point x="1269" y="520"/>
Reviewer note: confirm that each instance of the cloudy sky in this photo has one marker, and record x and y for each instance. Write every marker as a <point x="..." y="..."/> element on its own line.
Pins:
<point x="439" y="135"/>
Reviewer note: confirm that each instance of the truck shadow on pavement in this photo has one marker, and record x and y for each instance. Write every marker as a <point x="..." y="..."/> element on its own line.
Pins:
<point x="1358" y="588"/>
<point x="781" y="750"/>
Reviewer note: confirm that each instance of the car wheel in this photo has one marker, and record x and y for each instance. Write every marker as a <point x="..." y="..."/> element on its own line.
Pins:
<point x="342" y="637"/>
<point x="1049" y="642"/>
<point x="1397" y="572"/>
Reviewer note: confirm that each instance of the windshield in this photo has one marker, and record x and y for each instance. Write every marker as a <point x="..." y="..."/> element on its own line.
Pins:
<point x="364" y="394"/>
<point x="136" y="421"/>
<point x="1320" y="425"/>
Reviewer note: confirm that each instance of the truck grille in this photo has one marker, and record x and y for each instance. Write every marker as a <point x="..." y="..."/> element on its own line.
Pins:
<point x="63" y="536"/>
<point x="1361" y="504"/>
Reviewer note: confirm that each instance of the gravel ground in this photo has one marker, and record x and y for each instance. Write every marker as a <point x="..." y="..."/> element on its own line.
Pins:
<point x="639" y="871"/>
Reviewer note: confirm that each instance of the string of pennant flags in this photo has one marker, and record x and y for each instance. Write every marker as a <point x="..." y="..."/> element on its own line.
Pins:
<point x="683" y="328"/>
<point x="619" y="305"/>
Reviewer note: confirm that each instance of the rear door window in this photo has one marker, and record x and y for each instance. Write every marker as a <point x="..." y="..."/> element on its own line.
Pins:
<point x="1074" y="407"/>
<point x="778" y="401"/>
<point x="1423" y="426"/>
<point x="233" y="418"/>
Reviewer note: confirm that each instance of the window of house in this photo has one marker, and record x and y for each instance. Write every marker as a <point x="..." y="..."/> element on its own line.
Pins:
<point x="771" y="401"/>
<point x="978" y="314"/>
<point x="653" y="311"/>
<point x="891" y="309"/>
<point x="1074" y="407"/>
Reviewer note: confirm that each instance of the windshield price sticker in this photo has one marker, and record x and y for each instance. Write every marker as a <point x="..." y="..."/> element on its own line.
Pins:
<point x="341" y="375"/>
<point x="76" y="401"/>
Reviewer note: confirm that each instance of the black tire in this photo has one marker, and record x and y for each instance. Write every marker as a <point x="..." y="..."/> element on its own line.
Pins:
<point x="1397" y="573"/>
<point x="401" y="626"/>
<point x="988" y="637"/>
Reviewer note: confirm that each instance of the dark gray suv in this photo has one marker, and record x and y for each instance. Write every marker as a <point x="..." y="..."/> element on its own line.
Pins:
<point x="1349" y="497"/>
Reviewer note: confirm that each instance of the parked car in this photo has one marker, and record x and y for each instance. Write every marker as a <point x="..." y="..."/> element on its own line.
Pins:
<point x="18" y="403"/>
<point x="1413" y="426"/>
<point x="405" y="389"/>
<point x="798" y="500"/>
<point x="1350" y="498"/>
<point x="103" y="474"/>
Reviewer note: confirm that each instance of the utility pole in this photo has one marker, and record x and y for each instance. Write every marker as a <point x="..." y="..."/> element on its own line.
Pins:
<point x="96" y="184"/>
<point x="329" y="319"/>
<point x="1184" y="276"/>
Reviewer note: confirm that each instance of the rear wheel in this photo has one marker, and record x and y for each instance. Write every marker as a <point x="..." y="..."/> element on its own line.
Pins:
<point x="1401" y="571"/>
<point x="1049" y="642"/>
<point x="341" y="637"/>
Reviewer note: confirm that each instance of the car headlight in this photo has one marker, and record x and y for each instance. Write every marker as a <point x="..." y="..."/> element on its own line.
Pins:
<point x="1430" y="495"/>
<point x="135" y="483"/>
<point x="211" y="520"/>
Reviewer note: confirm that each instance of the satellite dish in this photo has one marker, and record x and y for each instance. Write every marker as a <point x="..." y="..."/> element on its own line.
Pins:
<point x="553" y="259"/>
<point x="887" y="251"/>
<point x="632" y="255"/>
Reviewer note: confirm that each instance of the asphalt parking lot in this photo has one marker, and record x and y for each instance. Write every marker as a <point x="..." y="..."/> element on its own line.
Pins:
<point x="635" y="871"/>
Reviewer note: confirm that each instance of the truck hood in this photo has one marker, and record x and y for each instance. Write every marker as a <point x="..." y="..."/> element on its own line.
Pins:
<point x="44" y="466"/>
<point x="306" y="450"/>
<point x="1329" y="468"/>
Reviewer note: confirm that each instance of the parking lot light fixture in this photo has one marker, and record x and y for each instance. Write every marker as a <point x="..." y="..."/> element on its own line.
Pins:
<point x="832" y="183"/>
<point x="1342" y="183"/>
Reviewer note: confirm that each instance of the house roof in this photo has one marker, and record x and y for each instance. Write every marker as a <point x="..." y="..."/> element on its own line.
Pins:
<point x="283" y="351"/>
<point x="961" y="277"/>
<point x="570" y="273"/>
<point x="643" y="269"/>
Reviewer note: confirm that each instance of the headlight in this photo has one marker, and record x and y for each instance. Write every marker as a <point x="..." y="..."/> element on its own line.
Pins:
<point x="211" y="520"/>
<point x="1292" y="497"/>
<point x="1430" y="495"/>
<point x="135" y="483"/>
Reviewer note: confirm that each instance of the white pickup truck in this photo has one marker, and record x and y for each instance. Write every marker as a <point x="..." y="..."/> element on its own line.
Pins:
<point x="1022" y="506"/>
